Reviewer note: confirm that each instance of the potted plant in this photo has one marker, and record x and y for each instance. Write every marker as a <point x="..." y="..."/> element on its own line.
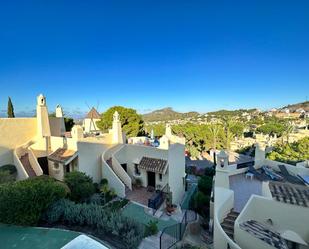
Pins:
<point x="138" y="182"/>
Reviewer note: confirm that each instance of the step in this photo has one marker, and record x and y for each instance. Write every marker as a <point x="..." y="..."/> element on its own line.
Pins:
<point x="233" y="215"/>
<point x="227" y="226"/>
<point x="229" y="220"/>
<point x="230" y="234"/>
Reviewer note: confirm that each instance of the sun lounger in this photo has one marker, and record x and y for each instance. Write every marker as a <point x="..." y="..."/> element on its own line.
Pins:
<point x="290" y="178"/>
<point x="258" y="175"/>
<point x="304" y="178"/>
<point x="273" y="175"/>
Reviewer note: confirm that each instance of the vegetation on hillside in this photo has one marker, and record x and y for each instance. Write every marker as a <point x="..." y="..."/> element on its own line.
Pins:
<point x="166" y="114"/>
<point x="291" y="153"/>
<point x="131" y="122"/>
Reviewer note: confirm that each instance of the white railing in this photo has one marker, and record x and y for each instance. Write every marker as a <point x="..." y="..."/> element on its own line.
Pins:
<point x="113" y="180"/>
<point x="121" y="173"/>
<point x="224" y="202"/>
<point x="34" y="162"/>
<point x="21" y="172"/>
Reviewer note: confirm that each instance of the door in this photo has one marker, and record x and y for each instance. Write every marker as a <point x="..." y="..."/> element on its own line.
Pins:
<point x="151" y="176"/>
<point x="124" y="166"/>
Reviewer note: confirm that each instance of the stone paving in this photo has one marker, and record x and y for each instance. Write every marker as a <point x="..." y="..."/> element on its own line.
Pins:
<point x="243" y="189"/>
<point x="140" y="195"/>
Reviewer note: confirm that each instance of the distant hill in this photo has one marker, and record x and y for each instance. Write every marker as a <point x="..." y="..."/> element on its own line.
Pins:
<point x="166" y="114"/>
<point x="294" y="107"/>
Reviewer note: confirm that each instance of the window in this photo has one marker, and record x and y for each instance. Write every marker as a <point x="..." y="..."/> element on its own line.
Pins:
<point x="56" y="166"/>
<point x="136" y="169"/>
<point x="160" y="177"/>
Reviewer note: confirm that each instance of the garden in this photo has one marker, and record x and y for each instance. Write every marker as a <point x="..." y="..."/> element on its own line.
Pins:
<point x="76" y="204"/>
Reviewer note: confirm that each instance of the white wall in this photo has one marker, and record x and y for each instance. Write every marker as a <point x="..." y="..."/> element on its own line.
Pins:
<point x="13" y="133"/>
<point x="131" y="153"/>
<point x="224" y="202"/>
<point x="176" y="171"/>
<point x="284" y="217"/>
<point x="89" y="159"/>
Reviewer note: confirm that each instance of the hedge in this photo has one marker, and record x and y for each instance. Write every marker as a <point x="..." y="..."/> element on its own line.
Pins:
<point x="23" y="202"/>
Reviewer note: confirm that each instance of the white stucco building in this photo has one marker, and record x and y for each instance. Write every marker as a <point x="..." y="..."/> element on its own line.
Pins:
<point x="262" y="206"/>
<point x="38" y="146"/>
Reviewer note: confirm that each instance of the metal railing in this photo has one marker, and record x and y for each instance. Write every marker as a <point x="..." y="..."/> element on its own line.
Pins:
<point x="174" y="233"/>
<point x="157" y="199"/>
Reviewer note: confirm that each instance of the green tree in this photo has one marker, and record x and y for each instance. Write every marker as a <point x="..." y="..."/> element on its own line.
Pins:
<point x="291" y="153"/>
<point x="10" y="110"/>
<point x="80" y="184"/>
<point x="69" y="123"/>
<point x="131" y="122"/>
<point x="214" y="130"/>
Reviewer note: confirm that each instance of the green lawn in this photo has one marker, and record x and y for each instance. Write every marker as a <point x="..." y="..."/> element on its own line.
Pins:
<point x="137" y="213"/>
<point x="34" y="238"/>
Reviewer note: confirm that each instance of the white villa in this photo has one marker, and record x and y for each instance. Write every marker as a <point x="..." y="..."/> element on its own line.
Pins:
<point x="263" y="206"/>
<point x="38" y="146"/>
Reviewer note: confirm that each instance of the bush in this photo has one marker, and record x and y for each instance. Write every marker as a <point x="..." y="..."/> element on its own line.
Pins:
<point x="97" y="199"/>
<point x="23" y="202"/>
<point x="7" y="173"/>
<point x="205" y="184"/>
<point x="98" y="218"/>
<point x="80" y="184"/>
<point x="151" y="228"/>
<point x="201" y="203"/>
<point x="9" y="167"/>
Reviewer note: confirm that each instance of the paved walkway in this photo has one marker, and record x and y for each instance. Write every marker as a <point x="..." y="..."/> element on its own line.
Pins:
<point x="34" y="238"/>
<point x="138" y="213"/>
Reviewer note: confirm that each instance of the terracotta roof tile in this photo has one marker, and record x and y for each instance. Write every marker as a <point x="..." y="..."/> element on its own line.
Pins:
<point x="62" y="155"/>
<point x="93" y="113"/>
<point x="153" y="164"/>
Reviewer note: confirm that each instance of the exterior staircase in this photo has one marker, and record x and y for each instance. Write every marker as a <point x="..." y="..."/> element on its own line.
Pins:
<point x="228" y="223"/>
<point x="110" y="164"/>
<point x="24" y="159"/>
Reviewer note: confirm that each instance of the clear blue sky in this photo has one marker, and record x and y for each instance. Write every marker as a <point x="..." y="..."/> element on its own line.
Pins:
<point x="190" y="55"/>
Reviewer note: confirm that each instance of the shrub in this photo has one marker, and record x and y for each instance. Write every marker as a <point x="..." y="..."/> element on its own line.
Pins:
<point x="5" y="176"/>
<point x="98" y="218"/>
<point x="205" y="184"/>
<point x="7" y="173"/>
<point x="11" y="168"/>
<point x="55" y="211"/>
<point x="151" y="228"/>
<point x="210" y="171"/>
<point x="104" y="181"/>
<point x="200" y="203"/>
<point x="23" y="202"/>
<point x="80" y="184"/>
<point x="96" y="199"/>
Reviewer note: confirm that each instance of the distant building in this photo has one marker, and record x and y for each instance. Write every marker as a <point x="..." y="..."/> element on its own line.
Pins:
<point x="90" y="122"/>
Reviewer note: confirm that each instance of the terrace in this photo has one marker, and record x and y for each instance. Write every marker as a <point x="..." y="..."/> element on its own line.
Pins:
<point x="243" y="189"/>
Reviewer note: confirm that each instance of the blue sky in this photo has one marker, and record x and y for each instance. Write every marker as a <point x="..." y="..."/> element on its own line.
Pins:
<point x="190" y="55"/>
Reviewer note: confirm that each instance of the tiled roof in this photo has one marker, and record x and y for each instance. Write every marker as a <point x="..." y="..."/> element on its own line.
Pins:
<point x="263" y="233"/>
<point x="62" y="155"/>
<point x="153" y="164"/>
<point x="93" y="114"/>
<point x="290" y="193"/>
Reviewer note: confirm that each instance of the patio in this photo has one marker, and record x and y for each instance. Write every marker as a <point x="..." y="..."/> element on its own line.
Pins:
<point x="243" y="189"/>
<point x="139" y="195"/>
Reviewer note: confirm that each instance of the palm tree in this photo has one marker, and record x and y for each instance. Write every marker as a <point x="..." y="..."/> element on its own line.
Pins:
<point x="228" y="122"/>
<point x="288" y="130"/>
<point x="214" y="130"/>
